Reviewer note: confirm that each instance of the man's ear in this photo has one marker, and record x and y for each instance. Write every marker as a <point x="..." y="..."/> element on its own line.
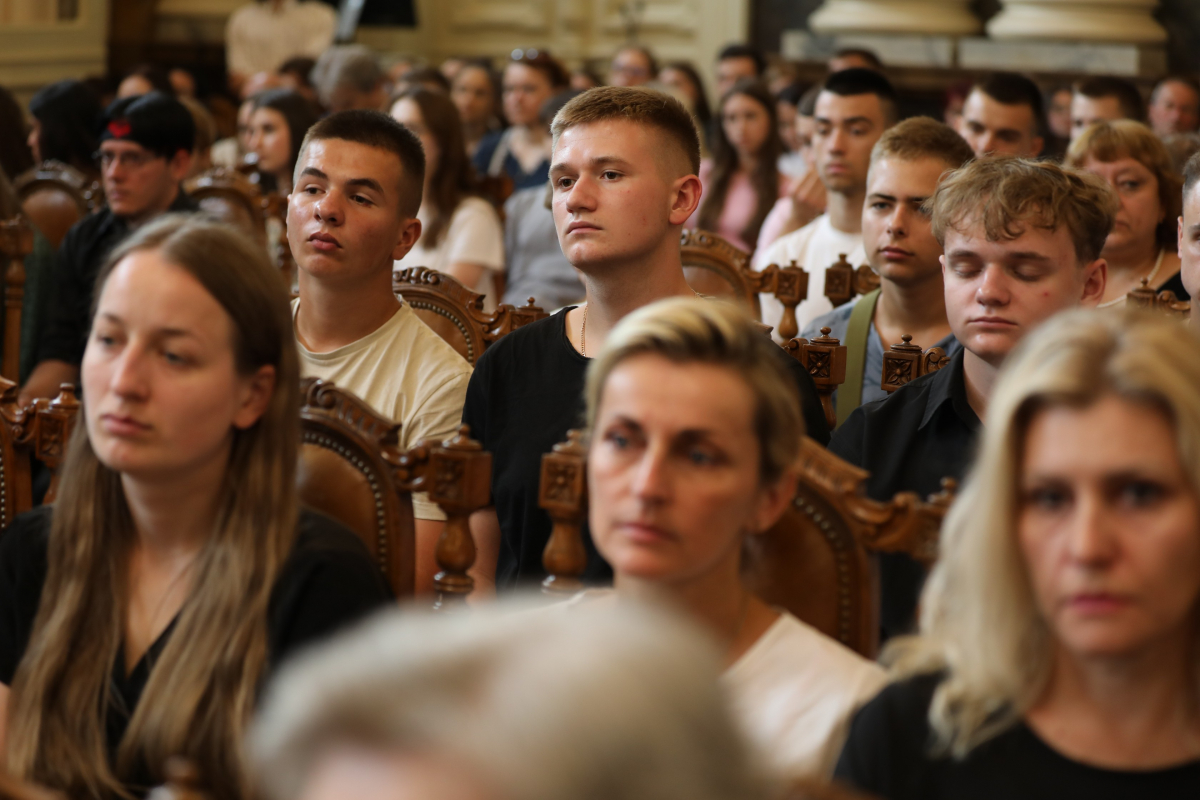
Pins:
<point x="180" y="165"/>
<point x="409" y="234"/>
<point x="1094" y="281"/>
<point x="1038" y="143"/>
<point x="685" y="198"/>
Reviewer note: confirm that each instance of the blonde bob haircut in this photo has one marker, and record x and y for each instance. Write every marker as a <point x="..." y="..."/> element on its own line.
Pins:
<point x="688" y="330"/>
<point x="980" y="623"/>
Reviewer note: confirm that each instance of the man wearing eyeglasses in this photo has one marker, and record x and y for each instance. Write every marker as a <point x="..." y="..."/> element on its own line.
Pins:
<point x="145" y="151"/>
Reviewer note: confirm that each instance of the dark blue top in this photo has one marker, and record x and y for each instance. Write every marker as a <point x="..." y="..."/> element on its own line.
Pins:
<point x="512" y="167"/>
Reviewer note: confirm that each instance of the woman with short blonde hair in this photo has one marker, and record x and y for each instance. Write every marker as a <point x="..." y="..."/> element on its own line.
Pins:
<point x="1057" y="653"/>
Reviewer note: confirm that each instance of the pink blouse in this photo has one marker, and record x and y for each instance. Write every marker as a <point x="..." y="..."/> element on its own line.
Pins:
<point x="739" y="205"/>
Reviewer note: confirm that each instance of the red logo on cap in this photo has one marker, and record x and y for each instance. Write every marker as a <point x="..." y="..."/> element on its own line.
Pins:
<point x="119" y="128"/>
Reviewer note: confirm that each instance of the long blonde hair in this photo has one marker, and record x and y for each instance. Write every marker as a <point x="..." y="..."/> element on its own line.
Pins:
<point x="980" y="623"/>
<point x="201" y="690"/>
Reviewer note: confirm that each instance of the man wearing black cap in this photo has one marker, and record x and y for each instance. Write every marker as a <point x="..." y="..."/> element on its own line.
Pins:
<point x="145" y="151"/>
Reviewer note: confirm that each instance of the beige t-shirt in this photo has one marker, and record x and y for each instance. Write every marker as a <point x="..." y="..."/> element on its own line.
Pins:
<point x="406" y="372"/>
<point x="794" y="692"/>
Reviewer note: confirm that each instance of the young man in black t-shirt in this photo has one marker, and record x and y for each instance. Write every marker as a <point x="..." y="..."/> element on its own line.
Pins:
<point x="624" y="175"/>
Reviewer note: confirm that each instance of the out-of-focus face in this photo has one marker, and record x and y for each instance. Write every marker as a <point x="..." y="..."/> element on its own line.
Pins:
<point x="163" y="391"/>
<point x="361" y="773"/>
<point x="997" y="292"/>
<point x="245" y="110"/>
<point x="1175" y="108"/>
<point x="680" y="82"/>
<point x="990" y="126"/>
<point x="845" y="130"/>
<point x="897" y="235"/>
<point x="1058" y="114"/>
<point x="451" y="67"/>
<point x="525" y="89"/>
<point x="1189" y="243"/>
<point x="182" y="82"/>
<point x="408" y="113"/>
<point x="630" y="67"/>
<point x="615" y="192"/>
<point x="473" y="95"/>
<point x="344" y="221"/>
<point x="673" y="472"/>
<point x="582" y="80"/>
<point x="271" y="140"/>
<point x="137" y="182"/>
<point x="345" y="97"/>
<point x="732" y="70"/>
<point x="1109" y="527"/>
<point x="746" y="123"/>
<point x="1140" y="212"/>
<point x="786" y="114"/>
<point x="134" y="86"/>
<point x="1086" y="111"/>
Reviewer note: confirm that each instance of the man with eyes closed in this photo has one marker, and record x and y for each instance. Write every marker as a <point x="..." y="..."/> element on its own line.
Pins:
<point x="352" y="212"/>
<point x="1021" y="241"/>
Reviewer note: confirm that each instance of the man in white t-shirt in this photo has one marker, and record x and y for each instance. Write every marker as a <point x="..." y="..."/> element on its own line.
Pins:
<point x="262" y="35"/>
<point x="351" y="214"/>
<point x="853" y="110"/>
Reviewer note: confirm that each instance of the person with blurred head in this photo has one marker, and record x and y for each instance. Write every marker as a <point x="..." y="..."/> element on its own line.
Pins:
<point x="583" y="78"/>
<point x="738" y="62"/>
<point x="1142" y="242"/>
<point x="451" y="66"/>
<point x="145" y="151"/>
<point x="15" y="154"/>
<point x="295" y="73"/>
<point x="1104" y="99"/>
<point x="1175" y="106"/>
<point x="795" y="135"/>
<point x="852" y="111"/>
<point x="695" y="429"/>
<point x="39" y="272"/>
<point x="632" y="65"/>
<point x="261" y="36"/>
<point x="350" y="79"/>
<point x="685" y="82"/>
<point x="474" y="94"/>
<point x="505" y="703"/>
<point x="261" y="82"/>
<point x="854" y="58"/>
<point x="907" y="164"/>
<point x="741" y="181"/>
<point x="422" y="78"/>
<point x="1003" y="114"/>
<point x="278" y="123"/>
<point x="140" y="614"/>
<point x="461" y="233"/>
<point x="206" y="135"/>
<point x="1021" y="241"/>
<point x="1188" y="233"/>
<point x="1058" y="111"/>
<point x="144" y="79"/>
<point x="1057" y="650"/>
<point x="65" y="117"/>
<point x="521" y="152"/>
<point x="183" y="82"/>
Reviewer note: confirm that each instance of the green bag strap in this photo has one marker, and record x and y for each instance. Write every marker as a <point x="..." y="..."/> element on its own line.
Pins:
<point x="858" y="330"/>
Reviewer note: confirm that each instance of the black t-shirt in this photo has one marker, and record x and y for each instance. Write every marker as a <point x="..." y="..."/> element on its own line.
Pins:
<point x="525" y="394"/>
<point x="328" y="581"/>
<point x="887" y="754"/>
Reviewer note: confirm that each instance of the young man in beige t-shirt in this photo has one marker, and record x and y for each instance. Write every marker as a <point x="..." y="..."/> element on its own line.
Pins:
<point x="351" y="214"/>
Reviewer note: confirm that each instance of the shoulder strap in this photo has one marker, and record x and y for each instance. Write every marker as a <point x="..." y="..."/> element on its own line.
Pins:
<point x="858" y="330"/>
<point x="496" y="165"/>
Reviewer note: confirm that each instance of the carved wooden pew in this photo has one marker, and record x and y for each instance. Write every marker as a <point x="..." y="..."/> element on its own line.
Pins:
<point x="716" y="268"/>
<point x="1166" y="302"/>
<point x="815" y="561"/>
<point x="40" y="430"/>
<point x="456" y="313"/>
<point x="825" y="359"/>
<point x="55" y="196"/>
<point x="352" y="469"/>
<point x="904" y="362"/>
<point x="843" y="281"/>
<point x="16" y="242"/>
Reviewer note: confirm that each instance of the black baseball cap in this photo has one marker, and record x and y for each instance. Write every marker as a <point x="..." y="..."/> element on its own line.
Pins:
<point x="156" y="121"/>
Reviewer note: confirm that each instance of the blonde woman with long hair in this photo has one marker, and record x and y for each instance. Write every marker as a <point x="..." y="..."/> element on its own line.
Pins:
<point x="140" y="614"/>
<point x="1057" y="655"/>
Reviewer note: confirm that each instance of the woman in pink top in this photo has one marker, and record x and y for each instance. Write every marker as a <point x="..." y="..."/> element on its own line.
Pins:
<point x="741" y="181"/>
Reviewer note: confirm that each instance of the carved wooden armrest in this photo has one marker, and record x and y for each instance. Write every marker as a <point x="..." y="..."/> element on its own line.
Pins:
<point x="843" y="281"/>
<point x="906" y="361"/>
<point x="789" y="285"/>
<point x="825" y="359"/>
<point x="1166" y="301"/>
<point x="53" y="424"/>
<point x="562" y="491"/>
<point x="16" y="242"/>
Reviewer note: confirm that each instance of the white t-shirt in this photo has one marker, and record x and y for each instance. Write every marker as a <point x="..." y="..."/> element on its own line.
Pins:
<point x="474" y="236"/>
<point x="794" y="693"/>
<point x="259" y="38"/>
<point x="815" y="247"/>
<point x="407" y="373"/>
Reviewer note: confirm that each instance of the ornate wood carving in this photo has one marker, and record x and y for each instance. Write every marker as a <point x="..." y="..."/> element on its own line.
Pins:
<point x="843" y="281"/>
<point x="1166" y="302"/>
<point x="86" y="191"/>
<point x="706" y="256"/>
<point x="825" y="359"/>
<point x="456" y="312"/>
<point x="41" y="429"/>
<point x="906" y="361"/>
<point x="16" y="242"/>
<point x="563" y="493"/>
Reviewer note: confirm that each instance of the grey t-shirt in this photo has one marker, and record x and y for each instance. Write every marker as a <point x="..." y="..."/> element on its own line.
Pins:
<point x="537" y="267"/>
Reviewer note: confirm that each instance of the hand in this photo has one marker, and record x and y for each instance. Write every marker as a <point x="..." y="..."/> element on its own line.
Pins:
<point x="808" y="201"/>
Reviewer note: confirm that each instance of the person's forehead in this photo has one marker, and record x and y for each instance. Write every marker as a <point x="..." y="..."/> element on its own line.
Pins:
<point x="1177" y="91"/>
<point x="969" y="235"/>
<point x="646" y="387"/>
<point x="905" y="177"/>
<point x="990" y="108"/>
<point x="617" y="138"/>
<point x="343" y="159"/>
<point x="1108" y="107"/>
<point x="837" y="107"/>
<point x="737" y="64"/>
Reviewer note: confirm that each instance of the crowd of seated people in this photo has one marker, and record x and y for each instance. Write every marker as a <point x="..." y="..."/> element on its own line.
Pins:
<point x="158" y="606"/>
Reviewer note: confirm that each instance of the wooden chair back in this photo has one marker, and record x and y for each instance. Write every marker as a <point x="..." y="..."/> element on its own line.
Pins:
<point x="54" y="196"/>
<point x="16" y="242"/>
<point x="906" y="361"/>
<point x="715" y="268"/>
<point x="825" y="359"/>
<point x="1165" y="302"/>
<point x="815" y="562"/>
<point x="40" y="430"/>
<point x="456" y="313"/>
<point x="352" y="469"/>
<point x="843" y="281"/>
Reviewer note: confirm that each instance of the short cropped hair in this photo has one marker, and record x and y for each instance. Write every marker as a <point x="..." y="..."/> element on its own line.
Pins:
<point x="745" y="51"/>
<point x="923" y="137"/>
<point x="866" y="55"/>
<point x="638" y="105"/>
<point x="1191" y="174"/>
<point x="1014" y="89"/>
<point x="1190" y="83"/>
<point x="378" y="130"/>
<point x="1130" y="99"/>
<point x="850" y="82"/>
<point x="1124" y="138"/>
<point x="685" y="330"/>
<point x="1005" y="194"/>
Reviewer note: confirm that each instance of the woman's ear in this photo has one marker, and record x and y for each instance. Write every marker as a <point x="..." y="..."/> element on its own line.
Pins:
<point x="256" y="393"/>
<point x="773" y="500"/>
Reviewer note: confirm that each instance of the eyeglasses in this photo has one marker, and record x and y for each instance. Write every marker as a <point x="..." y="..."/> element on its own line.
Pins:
<point x="130" y="159"/>
<point x="532" y="55"/>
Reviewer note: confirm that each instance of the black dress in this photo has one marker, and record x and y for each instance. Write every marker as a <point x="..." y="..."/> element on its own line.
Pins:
<point x="888" y="754"/>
